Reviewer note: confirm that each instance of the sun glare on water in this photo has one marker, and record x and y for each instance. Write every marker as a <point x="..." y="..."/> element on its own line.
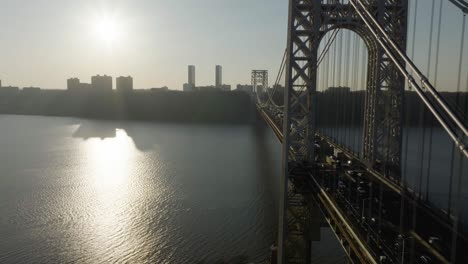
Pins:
<point x="111" y="159"/>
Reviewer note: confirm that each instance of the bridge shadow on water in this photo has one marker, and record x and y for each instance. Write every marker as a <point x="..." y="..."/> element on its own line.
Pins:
<point x="146" y="136"/>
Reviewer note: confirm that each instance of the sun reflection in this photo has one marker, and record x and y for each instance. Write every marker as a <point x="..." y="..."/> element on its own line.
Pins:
<point x="110" y="163"/>
<point x="110" y="159"/>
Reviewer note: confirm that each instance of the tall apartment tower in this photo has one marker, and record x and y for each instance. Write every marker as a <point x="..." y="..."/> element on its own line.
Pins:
<point x="73" y="84"/>
<point x="191" y="75"/>
<point x="124" y="84"/>
<point x="101" y="83"/>
<point x="219" y="76"/>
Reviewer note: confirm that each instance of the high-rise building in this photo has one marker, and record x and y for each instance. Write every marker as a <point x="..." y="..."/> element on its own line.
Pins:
<point x="73" y="84"/>
<point x="219" y="76"/>
<point x="124" y="84"/>
<point x="191" y="75"/>
<point x="101" y="83"/>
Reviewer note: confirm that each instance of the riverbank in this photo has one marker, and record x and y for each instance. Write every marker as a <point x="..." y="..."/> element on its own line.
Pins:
<point x="164" y="106"/>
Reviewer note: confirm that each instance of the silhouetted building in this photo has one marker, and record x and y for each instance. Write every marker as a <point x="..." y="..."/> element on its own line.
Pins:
<point x="161" y="89"/>
<point x="339" y="89"/>
<point x="191" y="75"/>
<point x="31" y="90"/>
<point x="85" y="87"/>
<point x="124" y="84"/>
<point x="245" y="88"/>
<point x="9" y="89"/>
<point x="219" y="76"/>
<point x="188" y="87"/>
<point x="225" y="87"/>
<point x="210" y="88"/>
<point x="101" y="83"/>
<point x="73" y="84"/>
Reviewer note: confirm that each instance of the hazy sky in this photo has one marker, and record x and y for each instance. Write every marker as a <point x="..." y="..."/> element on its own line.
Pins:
<point x="44" y="42"/>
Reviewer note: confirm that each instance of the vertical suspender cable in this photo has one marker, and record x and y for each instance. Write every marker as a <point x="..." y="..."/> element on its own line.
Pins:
<point x="424" y="117"/>
<point x="431" y="131"/>
<point x="433" y="101"/>
<point x="339" y="92"/>
<point x="418" y="180"/>
<point x="460" y="157"/>
<point x="365" y="58"/>
<point x="332" y="99"/>
<point x="405" y="167"/>
<point x="383" y="37"/>
<point x="460" y="65"/>
<point x="325" y="105"/>
<point x="347" y="110"/>
<point x="353" y="95"/>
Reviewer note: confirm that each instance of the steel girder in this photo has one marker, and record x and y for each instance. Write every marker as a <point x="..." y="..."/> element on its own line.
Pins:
<point x="309" y="21"/>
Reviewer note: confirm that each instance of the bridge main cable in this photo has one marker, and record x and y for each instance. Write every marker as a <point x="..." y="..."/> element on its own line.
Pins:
<point x="458" y="142"/>
<point x="425" y="82"/>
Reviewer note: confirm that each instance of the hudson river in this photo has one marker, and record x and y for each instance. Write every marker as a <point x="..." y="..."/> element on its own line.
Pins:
<point x="82" y="191"/>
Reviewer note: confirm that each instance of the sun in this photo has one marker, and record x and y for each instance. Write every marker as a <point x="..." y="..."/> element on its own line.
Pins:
<point x="108" y="29"/>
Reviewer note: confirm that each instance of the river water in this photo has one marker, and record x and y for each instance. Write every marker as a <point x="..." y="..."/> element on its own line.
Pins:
<point x="82" y="191"/>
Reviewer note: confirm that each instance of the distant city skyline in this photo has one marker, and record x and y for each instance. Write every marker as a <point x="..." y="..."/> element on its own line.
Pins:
<point x="153" y="41"/>
<point x="45" y="42"/>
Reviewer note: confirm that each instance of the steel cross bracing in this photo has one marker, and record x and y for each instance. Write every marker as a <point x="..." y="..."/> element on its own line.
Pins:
<point x="309" y="21"/>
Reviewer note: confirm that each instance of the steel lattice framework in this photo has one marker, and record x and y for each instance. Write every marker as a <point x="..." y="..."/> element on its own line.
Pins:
<point x="259" y="80"/>
<point x="309" y="21"/>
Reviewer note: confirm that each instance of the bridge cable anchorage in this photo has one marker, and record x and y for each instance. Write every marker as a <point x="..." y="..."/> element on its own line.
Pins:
<point x="458" y="142"/>
<point x="424" y="81"/>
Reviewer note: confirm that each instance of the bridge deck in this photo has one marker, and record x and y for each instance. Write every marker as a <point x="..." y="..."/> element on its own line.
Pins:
<point x="363" y="208"/>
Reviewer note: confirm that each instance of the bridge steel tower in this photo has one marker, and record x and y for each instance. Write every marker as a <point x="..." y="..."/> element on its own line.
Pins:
<point x="309" y="21"/>
<point x="259" y="80"/>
